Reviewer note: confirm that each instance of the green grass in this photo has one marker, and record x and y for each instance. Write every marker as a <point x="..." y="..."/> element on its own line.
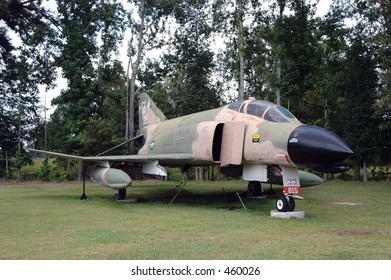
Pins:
<point x="344" y="220"/>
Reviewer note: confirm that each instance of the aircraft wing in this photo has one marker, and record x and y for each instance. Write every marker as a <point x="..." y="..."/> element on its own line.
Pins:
<point x="164" y="158"/>
<point x="67" y="156"/>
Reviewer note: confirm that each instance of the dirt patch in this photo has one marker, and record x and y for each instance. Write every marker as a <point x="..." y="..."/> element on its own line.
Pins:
<point x="345" y="203"/>
<point x="359" y="232"/>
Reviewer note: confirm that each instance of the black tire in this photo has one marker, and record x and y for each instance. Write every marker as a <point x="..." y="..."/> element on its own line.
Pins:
<point x="254" y="188"/>
<point x="292" y="204"/>
<point x="282" y="204"/>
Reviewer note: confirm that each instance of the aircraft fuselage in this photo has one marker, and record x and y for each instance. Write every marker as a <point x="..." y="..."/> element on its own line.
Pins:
<point x="230" y="137"/>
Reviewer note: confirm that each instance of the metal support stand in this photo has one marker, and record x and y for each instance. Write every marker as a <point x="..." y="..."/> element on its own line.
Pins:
<point x="241" y="201"/>
<point x="180" y="186"/>
<point x="84" y="196"/>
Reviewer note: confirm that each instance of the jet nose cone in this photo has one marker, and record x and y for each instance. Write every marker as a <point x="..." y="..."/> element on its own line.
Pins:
<point x="312" y="146"/>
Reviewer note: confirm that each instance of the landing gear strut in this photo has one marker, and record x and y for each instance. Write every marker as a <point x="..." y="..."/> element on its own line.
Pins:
<point x="285" y="204"/>
<point x="84" y="196"/>
<point x="254" y="188"/>
<point x="120" y="194"/>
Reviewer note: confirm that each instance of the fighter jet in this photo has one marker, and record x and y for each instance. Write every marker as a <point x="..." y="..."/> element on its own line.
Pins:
<point x="255" y="139"/>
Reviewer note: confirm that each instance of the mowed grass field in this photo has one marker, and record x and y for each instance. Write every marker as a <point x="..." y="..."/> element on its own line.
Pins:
<point x="344" y="220"/>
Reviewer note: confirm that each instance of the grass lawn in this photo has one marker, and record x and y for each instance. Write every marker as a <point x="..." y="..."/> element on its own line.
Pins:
<point x="344" y="220"/>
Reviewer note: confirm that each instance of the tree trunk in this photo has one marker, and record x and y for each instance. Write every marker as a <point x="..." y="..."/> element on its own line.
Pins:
<point x="130" y="108"/>
<point x="278" y="90"/>
<point x="80" y="172"/>
<point x="281" y="4"/>
<point x="131" y="82"/>
<point x="365" y="171"/>
<point x="19" y="141"/>
<point x="240" y="50"/>
<point x="7" y="165"/>
<point x="198" y="173"/>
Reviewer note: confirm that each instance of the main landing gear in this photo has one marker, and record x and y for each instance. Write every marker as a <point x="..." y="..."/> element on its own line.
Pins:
<point x="254" y="188"/>
<point x="120" y="194"/>
<point x="285" y="203"/>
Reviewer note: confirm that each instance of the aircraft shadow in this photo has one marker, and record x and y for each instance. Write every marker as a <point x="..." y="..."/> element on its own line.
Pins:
<point x="218" y="199"/>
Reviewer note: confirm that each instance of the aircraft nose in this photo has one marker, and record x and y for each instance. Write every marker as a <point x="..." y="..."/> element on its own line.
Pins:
<point x="312" y="146"/>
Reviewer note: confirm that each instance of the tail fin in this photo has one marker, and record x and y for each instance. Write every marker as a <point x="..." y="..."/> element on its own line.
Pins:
<point x="148" y="112"/>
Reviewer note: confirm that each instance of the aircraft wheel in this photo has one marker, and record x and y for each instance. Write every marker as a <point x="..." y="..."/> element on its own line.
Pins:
<point x="282" y="204"/>
<point x="292" y="204"/>
<point x="254" y="188"/>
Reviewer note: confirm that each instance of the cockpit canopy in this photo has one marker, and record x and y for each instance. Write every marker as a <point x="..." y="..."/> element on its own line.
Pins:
<point x="265" y="110"/>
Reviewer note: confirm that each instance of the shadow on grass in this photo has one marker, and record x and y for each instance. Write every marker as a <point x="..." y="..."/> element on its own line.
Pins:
<point x="194" y="195"/>
<point x="223" y="199"/>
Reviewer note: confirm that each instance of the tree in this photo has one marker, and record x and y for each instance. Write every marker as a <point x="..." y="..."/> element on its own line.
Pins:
<point x="9" y="139"/>
<point x="190" y="86"/>
<point x="239" y="24"/>
<point x="24" y="66"/>
<point x="91" y="30"/>
<point x="279" y="28"/>
<point x="361" y="127"/>
<point x="24" y="107"/>
<point x="372" y="33"/>
<point x="325" y="101"/>
<point x="144" y="36"/>
<point x="298" y="57"/>
<point x="230" y="16"/>
<point x="379" y="16"/>
<point x="154" y="80"/>
<point x="24" y="18"/>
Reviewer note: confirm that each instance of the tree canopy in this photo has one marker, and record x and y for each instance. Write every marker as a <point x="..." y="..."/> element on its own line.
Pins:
<point x="27" y="33"/>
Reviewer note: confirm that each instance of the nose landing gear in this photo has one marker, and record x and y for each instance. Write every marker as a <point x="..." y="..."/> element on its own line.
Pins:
<point x="286" y="203"/>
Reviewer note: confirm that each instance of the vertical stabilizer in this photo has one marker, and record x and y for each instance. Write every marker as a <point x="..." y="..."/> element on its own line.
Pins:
<point x="148" y="112"/>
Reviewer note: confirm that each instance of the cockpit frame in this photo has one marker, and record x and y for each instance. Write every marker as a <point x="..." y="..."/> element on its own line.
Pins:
<point x="265" y="110"/>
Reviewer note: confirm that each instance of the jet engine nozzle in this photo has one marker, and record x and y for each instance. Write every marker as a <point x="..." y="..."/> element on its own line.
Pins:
<point x="312" y="147"/>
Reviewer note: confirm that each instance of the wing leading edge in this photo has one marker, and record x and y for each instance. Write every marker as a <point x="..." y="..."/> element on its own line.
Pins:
<point x="178" y="157"/>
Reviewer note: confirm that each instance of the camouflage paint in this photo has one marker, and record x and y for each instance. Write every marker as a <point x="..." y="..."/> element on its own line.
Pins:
<point x="263" y="142"/>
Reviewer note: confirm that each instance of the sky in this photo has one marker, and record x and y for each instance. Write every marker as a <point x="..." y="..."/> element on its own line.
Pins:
<point x="47" y="96"/>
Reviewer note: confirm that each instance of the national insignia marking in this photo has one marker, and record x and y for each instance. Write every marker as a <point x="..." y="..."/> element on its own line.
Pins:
<point x="152" y="145"/>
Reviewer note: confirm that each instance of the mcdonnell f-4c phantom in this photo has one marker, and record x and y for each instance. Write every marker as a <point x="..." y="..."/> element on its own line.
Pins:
<point x="255" y="139"/>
